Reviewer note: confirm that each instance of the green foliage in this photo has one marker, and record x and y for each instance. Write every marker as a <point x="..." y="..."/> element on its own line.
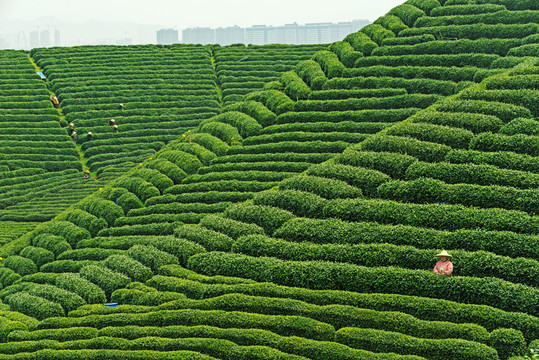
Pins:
<point x="508" y="342"/>
<point x="245" y="124"/>
<point x="323" y="187"/>
<point x="466" y="9"/>
<point x="377" y="33"/>
<point x="447" y="217"/>
<point x="267" y="217"/>
<point x="34" y="306"/>
<point x="150" y="257"/>
<point x="477" y="123"/>
<point x="105" y="278"/>
<point x="210" y="142"/>
<point x="209" y="239"/>
<point x="365" y="179"/>
<point x="230" y="227"/>
<point x="479" y="174"/>
<point x="407" y="13"/>
<point x="361" y="42"/>
<point x="392" y="164"/>
<point x="87" y="290"/>
<point x="21" y="265"/>
<point x="324" y="275"/>
<point x="299" y="203"/>
<point x="55" y="244"/>
<point x="501" y="159"/>
<point x="329" y="62"/>
<point x="505" y="112"/>
<point x="8" y="276"/>
<point x="391" y="22"/>
<point x="228" y="133"/>
<point x="422" y="150"/>
<point x="255" y="110"/>
<point x="386" y="341"/>
<point x="311" y="72"/>
<point x="520" y="143"/>
<point x="408" y="40"/>
<point x="274" y="100"/>
<point x="187" y="162"/>
<point x="62" y="266"/>
<point x="154" y="177"/>
<point x="84" y="220"/>
<point x="295" y="88"/>
<point x="38" y="255"/>
<point x="67" y="299"/>
<point x="167" y="168"/>
<point x="203" y="154"/>
<point x="346" y="53"/>
<point x="129" y="267"/>
<point x="440" y="134"/>
<point x="104" y="209"/>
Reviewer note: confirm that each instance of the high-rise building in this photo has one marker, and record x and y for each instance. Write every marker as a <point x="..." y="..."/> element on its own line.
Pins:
<point x="198" y="36"/>
<point x="45" y="38"/>
<point x="34" y="39"/>
<point x="167" y="36"/>
<point x="230" y="35"/>
<point x="57" y="40"/>
<point x="315" y="33"/>
<point x="256" y="35"/>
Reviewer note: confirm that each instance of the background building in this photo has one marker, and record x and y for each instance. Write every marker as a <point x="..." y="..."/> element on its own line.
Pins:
<point x="167" y="36"/>
<point x="314" y="33"/>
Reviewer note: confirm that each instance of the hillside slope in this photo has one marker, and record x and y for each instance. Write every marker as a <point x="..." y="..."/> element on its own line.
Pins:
<point x="302" y="221"/>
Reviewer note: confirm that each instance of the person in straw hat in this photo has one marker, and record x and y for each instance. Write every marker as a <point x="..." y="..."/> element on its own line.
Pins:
<point x="443" y="267"/>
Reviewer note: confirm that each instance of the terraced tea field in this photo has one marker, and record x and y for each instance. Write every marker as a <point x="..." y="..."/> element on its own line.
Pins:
<point x="280" y="202"/>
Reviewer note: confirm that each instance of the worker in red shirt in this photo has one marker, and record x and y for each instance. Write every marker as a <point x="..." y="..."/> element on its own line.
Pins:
<point x="443" y="267"/>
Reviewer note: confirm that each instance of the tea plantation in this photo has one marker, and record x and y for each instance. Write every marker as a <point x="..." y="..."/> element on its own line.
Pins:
<point x="277" y="202"/>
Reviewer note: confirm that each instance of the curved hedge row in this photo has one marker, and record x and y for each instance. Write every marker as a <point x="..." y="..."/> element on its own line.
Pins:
<point x="326" y="275"/>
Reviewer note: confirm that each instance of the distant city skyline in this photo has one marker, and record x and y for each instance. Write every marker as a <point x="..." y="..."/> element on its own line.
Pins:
<point x="124" y="22"/>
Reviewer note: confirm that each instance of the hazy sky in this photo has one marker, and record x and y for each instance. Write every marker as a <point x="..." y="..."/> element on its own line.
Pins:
<point x="182" y="14"/>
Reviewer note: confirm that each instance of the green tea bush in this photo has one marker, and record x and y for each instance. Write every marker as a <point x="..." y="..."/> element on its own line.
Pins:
<point x="209" y="239"/>
<point x="407" y="13"/>
<point x="70" y="232"/>
<point x="508" y="342"/>
<point x="468" y="9"/>
<point x="442" y="60"/>
<point x="228" y="133"/>
<point x="267" y="217"/>
<point x="422" y="150"/>
<point x="141" y="188"/>
<point x="399" y="101"/>
<point x="210" y="142"/>
<point x="8" y="276"/>
<point x="311" y="72"/>
<point x="104" y="209"/>
<point x="67" y="299"/>
<point x="167" y="168"/>
<point x="389" y="163"/>
<point x="329" y="62"/>
<point x="21" y="265"/>
<point x="90" y="292"/>
<point x="377" y="33"/>
<point x="445" y="73"/>
<point x="447" y="217"/>
<point x="408" y="40"/>
<point x="505" y="112"/>
<point x="346" y="53"/>
<point x="476" y="123"/>
<point x="300" y="203"/>
<point x="323" y="275"/>
<point x="501" y="159"/>
<point x="473" y="174"/>
<point x="85" y="220"/>
<point x="38" y="255"/>
<point x="187" y="162"/>
<point x="424" y="191"/>
<point x="446" y="135"/>
<point x="392" y="23"/>
<point x="274" y="100"/>
<point x="245" y="124"/>
<point x="256" y="110"/>
<point x="230" y="227"/>
<point x="520" y="143"/>
<point x="63" y="266"/>
<point x="87" y="254"/>
<point x="34" y="306"/>
<point x="294" y="86"/>
<point x="180" y="248"/>
<point x="53" y="334"/>
<point x="129" y="267"/>
<point x="323" y="187"/>
<point x="412" y="86"/>
<point x="154" y="177"/>
<point x="370" y="115"/>
<point x="105" y="278"/>
<point x="386" y="341"/>
<point x="151" y="257"/>
<point x="203" y="154"/>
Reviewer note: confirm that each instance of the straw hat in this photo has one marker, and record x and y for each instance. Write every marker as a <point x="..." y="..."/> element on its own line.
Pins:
<point x="89" y="133"/>
<point x="444" y="254"/>
<point x="111" y="120"/>
<point x="87" y="171"/>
